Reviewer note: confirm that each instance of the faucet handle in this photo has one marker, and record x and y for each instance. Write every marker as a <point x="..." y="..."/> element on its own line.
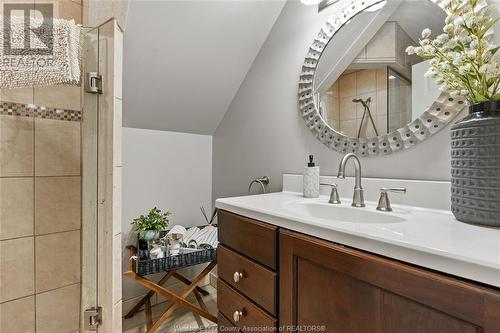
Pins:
<point x="393" y="189"/>
<point x="334" y="194"/>
<point x="383" y="202"/>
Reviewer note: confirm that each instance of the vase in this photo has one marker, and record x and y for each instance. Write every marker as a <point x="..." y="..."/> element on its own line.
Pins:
<point x="149" y="235"/>
<point x="475" y="165"/>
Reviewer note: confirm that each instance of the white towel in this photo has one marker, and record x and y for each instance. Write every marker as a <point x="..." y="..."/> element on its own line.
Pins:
<point x="196" y="237"/>
<point x="63" y="66"/>
<point x="177" y="229"/>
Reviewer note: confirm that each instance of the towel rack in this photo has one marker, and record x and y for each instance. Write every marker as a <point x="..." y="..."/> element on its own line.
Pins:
<point x="263" y="181"/>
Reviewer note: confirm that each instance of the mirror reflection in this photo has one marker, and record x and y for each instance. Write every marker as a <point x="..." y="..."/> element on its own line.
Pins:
<point x="368" y="86"/>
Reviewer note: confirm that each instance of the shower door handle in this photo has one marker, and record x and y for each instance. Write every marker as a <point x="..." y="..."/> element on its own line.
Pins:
<point x="93" y="83"/>
<point x="92" y="319"/>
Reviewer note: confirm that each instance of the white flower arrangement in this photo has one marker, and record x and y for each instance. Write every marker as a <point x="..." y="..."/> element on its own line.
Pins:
<point x="463" y="60"/>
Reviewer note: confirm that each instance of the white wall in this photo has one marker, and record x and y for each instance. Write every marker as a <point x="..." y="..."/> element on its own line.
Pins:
<point x="263" y="133"/>
<point x="185" y="60"/>
<point x="170" y="170"/>
<point x="424" y="90"/>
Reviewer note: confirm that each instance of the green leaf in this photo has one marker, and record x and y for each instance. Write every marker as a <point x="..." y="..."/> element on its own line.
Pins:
<point x="494" y="50"/>
<point x="479" y="97"/>
<point x="487" y="27"/>
<point x="155" y="220"/>
<point x="496" y="97"/>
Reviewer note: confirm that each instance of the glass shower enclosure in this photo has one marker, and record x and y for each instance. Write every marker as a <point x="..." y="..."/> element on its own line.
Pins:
<point x="91" y="311"/>
<point x="59" y="197"/>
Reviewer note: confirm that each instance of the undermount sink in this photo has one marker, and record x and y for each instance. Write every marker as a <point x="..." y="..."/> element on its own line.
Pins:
<point x="338" y="213"/>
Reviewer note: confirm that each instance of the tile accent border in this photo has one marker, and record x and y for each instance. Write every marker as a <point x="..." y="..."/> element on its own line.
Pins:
<point x="35" y="111"/>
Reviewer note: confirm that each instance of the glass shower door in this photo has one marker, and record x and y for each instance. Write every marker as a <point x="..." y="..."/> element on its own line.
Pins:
<point x="90" y="145"/>
<point x="399" y="111"/>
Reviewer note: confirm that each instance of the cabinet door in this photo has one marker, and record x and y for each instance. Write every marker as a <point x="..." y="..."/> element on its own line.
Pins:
<point x="342" y="290"/>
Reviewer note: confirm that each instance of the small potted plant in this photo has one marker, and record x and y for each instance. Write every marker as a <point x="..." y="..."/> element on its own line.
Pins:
<point x="149" y="226"/>
<point x="466" y="63"/>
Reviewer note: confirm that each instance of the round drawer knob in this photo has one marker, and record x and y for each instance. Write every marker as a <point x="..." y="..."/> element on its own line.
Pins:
<point x="237" y="316"/>
<point x="237" y="276"/>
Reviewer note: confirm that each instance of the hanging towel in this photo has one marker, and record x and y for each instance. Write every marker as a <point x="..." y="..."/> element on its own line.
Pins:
<point x="61" y="66"/>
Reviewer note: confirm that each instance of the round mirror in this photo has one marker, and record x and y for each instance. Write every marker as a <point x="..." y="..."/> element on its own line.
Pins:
<point x="360" y="91"/>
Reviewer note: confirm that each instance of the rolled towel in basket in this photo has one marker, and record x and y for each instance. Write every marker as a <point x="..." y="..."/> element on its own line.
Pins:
<point x="201" y="238"/>
<point x="28" y="68"/>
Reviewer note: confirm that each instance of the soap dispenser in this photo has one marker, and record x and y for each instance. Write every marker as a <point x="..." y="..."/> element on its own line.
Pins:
<point x="311" y="179"/>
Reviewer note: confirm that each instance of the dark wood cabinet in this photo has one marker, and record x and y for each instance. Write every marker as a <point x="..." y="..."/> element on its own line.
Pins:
<point x="256" y="282"/>
<point x="343" y="290"/>
<point x="247" y="282"/>
<point x="254" y="239"/>
<point x="273" y="279"/>
<point x="252" y="316"/>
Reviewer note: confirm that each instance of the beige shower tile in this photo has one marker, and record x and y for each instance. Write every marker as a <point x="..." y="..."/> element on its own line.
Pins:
<point x="60" y="97"/>
<point x="57" y="204"/>
<point x="16" y="207"/>
<point x="381" y="103"/>
<point x="347" y="85"/>
<point x="347" y="109"/>
<point x="16" y="146"/>
<point x="382" y="124"/>
<point x="18" y="95"/>
<point x="58" y="311"/>
<point x="70" y="10"/>
<point x="57" y="260"/>
<point x="16" y="268"/>
<point x="394" y="121"/>
<point x="404" y="119"/>
<point x="381" y="79"/>
<point x="66" y="9"/>
<point x="57" y="147"/>
<point x="366" y="81"/>
<point x="349" y="127"/>
<point x="18" y="316"/>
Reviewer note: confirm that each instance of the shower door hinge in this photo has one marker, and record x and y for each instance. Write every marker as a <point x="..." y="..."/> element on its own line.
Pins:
<point x="92" y="319"/>
<point x="93" y="83"/>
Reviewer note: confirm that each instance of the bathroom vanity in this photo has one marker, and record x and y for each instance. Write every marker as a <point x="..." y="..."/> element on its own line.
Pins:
<point x="283" y="268"/>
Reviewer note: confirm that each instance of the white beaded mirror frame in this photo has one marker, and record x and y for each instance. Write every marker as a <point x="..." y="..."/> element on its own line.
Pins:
<point x="432" y="120"/>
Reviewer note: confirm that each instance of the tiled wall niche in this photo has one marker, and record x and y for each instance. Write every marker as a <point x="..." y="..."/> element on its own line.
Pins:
<point x="40" y="203"/>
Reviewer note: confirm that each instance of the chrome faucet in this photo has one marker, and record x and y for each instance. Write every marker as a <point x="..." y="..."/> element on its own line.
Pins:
<point x="357" y="198"/>
<point x="334" y="194"/>
<point x="383" y="203"/>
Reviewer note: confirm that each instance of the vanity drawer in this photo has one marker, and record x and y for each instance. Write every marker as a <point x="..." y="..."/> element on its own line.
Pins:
<point x="229" y="301"/>
<point x="255" y="239"/>
<point x="224" y="325"/>
<point x="257" y="282"/>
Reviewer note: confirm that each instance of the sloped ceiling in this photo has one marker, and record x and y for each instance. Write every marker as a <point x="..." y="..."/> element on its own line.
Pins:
<point x="185" y="60"/>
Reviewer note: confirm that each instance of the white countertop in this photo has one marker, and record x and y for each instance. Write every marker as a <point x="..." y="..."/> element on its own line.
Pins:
<point x="429" y="238"/>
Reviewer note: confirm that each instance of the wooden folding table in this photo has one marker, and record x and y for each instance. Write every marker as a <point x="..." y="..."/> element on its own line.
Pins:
<point x="178" y="300"/>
